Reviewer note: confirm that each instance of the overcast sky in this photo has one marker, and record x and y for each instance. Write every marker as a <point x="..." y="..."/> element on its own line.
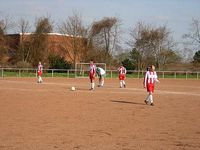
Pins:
<point x="176" y="14"/>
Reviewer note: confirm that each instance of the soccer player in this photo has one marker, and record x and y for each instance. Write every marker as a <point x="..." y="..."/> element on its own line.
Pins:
<point x="101" y="73"/>
<point x="122" y="76"/>
<point x="92" y="73"/>
<point x="39" y="72"/>
<point x="149" y="80"/>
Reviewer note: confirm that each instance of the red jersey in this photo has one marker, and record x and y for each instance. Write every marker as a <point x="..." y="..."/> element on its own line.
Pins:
<point x="122" y="70"/>
<point x="150" y="78"/>
<point x="92" y="69"/>
<point x="40" y="68"/>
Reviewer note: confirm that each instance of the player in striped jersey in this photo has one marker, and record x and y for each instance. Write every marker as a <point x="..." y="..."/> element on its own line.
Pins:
<point x="39" y="72"/>
<point x="122" y="76"/>
<point x="149" y="80"/>
<point x="92" y="73"/>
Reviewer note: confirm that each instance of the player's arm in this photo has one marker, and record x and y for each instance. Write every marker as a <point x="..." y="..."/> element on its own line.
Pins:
<point x="145" y="79"/>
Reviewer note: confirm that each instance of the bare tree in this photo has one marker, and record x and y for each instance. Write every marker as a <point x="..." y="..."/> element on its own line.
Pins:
<point x="4" y="47"/>
<point x="39" y="41"/>
<point x="150" y="43"/>
<point x="73" y="27"/>
<point x="23" y="49"/>
<point x="194" y="34"/>
<point x="140" y="45"/>
<point x="104" y="37"/>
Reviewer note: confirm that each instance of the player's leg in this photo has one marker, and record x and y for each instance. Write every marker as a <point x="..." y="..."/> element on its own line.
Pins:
<point x="41" y="78"/>
<point x="151" y="90"/>
<point x="148" y="101"/>
<point x="38" y="76"/>
<point x="92" y="82"/>
<point x="124" y="84"/>
<point x="102" y="80"/>
<point x="151" y="98"/>
<point x="120" y="83"/>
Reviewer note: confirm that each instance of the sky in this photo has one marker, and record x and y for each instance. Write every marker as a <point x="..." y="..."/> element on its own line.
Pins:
<point x="177" y="15"/>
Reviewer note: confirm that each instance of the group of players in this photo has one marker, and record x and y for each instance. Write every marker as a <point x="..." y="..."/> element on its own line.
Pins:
<point x="150" y="78"/>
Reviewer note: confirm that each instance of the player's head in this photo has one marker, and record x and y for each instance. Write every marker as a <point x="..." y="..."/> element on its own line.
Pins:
<point x="122" y="64"/>
<point x="91" y="61"/>
<point x="148" y="68"/>
<point x="98" y="70"/>
<point x="40" y="63"/>
<point x="152" y="67"/>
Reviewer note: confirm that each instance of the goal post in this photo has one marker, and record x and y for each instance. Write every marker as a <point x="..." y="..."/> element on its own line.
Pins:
<point x="82" y="69"/>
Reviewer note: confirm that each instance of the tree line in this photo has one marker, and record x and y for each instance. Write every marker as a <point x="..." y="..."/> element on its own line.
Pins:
<point x="147" y="44"/>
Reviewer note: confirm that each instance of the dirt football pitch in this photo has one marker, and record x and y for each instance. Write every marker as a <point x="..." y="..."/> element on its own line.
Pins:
<point x="49" y="116"/>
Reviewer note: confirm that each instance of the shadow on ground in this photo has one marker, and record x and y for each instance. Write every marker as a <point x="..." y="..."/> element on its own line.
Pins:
<point x="126" y="102"/>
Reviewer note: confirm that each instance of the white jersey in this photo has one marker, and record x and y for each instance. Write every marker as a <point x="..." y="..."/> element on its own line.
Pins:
<point x="150" y="77"/>
<point x="101" y="71"/>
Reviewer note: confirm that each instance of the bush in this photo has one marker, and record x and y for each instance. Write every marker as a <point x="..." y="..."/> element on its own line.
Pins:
<point x="128" y="64"/>
<point x="57" y="62"/>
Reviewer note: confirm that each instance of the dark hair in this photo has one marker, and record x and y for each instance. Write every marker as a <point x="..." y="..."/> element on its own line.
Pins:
<point x="148" y="68"/>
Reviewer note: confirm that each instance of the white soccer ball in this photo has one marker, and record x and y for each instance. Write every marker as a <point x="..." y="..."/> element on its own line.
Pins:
<point x="73" y="88"/>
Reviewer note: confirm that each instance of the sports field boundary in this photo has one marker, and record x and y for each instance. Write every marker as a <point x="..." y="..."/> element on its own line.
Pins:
<point x="71" y="73"/>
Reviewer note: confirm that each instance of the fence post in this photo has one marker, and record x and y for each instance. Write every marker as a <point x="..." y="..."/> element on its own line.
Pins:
<point x="175" y="74"/>
<point x="138" y="74"/>
<point x="186" y="75"/>
<point x="19" y="72"/>
<point x="68" y="73"/>
<point x="163" y="75"/>
<point x="52" y="73"/>
<point x="111" y="74"/>
<point x="197" y="75"/>
<point x="2" y="72"/>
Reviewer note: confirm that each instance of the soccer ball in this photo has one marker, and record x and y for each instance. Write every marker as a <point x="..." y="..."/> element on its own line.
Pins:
<point x="73" y="88"/>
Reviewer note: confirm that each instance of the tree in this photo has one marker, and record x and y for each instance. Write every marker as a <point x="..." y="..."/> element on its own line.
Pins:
<point x="168" y="57"/>
<point x="150" y="43"/>
<point x="136" y="58"/>
<point x="4" y="24"/>
<point x="58" y="62"/>
<point x="39" y="41"/>
<point x="22" y="52"/>
<point x="196" y="59"/>
<point x="193" y="39"/>
<point x="127" y="63"/>
<point x="103" y="36"/>
<point x="73" y="27"/>
<point x="194" y="34"/>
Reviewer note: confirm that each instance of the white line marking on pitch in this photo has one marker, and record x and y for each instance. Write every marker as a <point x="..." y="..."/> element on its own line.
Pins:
<point x="83" y="88"/>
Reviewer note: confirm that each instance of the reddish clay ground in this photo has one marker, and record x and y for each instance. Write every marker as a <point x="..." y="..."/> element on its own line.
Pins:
<point x="49" y="116"/>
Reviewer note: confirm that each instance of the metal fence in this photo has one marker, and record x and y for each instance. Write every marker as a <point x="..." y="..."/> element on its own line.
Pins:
<point x="71" y="73"/>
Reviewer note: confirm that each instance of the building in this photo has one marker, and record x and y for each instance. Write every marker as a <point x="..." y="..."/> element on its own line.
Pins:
<point x="62" y="45"/>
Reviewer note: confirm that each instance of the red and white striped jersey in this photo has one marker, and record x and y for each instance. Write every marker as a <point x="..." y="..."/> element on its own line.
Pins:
<point x="122" y="70"/>
<point x="150" y="78"/>
<point x="40" y="67"/>
<point x="92" y="69"/>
